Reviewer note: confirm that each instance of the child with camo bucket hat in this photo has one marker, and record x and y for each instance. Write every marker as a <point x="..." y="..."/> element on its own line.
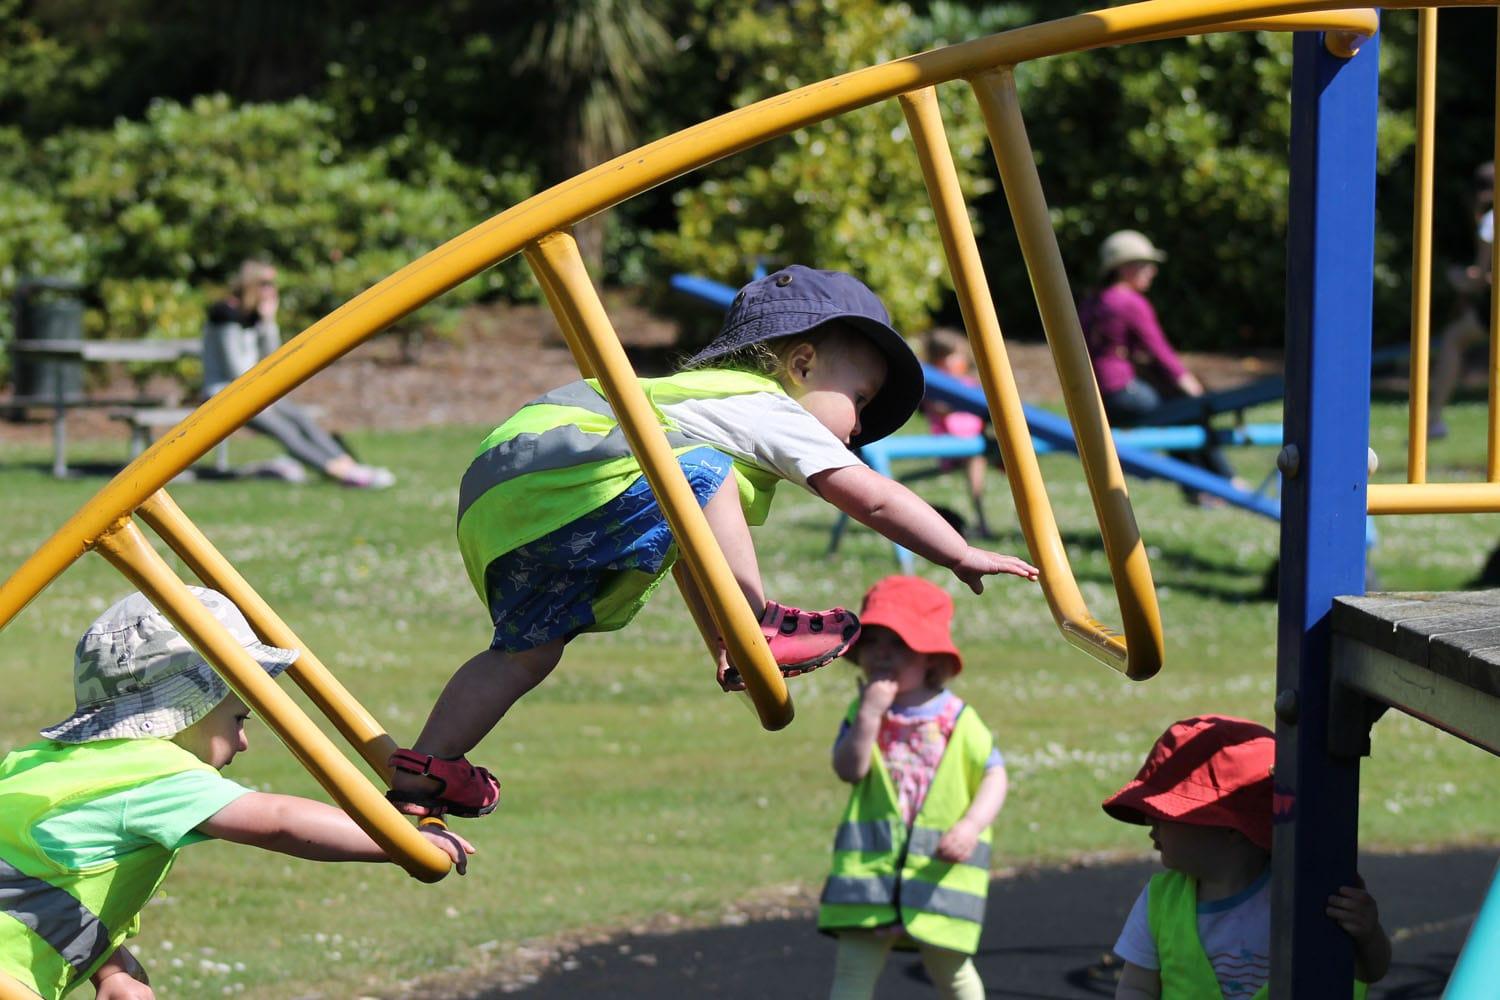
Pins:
<point x="561" y="534"/>
<point x="92" y="817"/>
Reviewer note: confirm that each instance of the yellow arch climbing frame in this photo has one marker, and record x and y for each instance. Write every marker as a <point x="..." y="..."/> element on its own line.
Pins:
<point x="539" y="228"/>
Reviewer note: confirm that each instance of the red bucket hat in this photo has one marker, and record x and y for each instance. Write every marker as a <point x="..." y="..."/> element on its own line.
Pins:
<point x="917" y="611"/>
<point x="1210" y="770"/>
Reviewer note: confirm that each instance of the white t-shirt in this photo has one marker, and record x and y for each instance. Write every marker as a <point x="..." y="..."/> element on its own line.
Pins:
<point x="1235" y="933"/>
<point x="769" y="430"/>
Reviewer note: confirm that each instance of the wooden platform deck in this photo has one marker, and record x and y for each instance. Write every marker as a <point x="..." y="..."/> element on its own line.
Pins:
<point x="1435" y="656"/>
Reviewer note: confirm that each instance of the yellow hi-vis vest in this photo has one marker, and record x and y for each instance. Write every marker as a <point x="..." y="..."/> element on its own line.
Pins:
<point x="57" y="925"/>
<point x="885" y="873"/>
<point x="1186" y="973"/>
<point x="564" y="455"/>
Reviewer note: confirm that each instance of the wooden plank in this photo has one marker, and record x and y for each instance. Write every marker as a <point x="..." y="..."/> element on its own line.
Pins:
<point x="1472" y="658"/>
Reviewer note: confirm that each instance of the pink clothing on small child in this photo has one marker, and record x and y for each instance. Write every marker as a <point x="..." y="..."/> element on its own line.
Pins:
<point x="955" y="423"/>
<point x="912" y="744"/>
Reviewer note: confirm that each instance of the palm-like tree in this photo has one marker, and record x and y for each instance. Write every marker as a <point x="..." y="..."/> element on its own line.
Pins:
<point x="595" y="57"/>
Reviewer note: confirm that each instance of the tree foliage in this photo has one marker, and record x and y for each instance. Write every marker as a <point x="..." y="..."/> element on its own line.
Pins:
<point x="145" y="142"/>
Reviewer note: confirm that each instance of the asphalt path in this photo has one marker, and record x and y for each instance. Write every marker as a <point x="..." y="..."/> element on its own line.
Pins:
<point x="1046" y="936"/>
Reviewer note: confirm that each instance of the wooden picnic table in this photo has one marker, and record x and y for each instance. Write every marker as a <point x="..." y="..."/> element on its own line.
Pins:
<point x="92" y="352"/>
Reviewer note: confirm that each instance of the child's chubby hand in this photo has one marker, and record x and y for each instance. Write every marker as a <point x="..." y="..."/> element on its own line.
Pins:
<point x="123" y="986"/>
<point x="1354" y="909"/>
<point x="457" y="848"/>
<point x="958" y="843"/>
<point x="976" y="564"/>
<point x="878" y="693"/>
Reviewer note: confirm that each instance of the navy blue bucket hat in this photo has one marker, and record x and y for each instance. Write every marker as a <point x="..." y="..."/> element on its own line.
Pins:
<point x="799" y="299"/>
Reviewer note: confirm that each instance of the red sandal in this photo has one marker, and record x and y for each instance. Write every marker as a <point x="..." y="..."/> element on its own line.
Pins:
<point x="464" y="790"/>
<point x="801" y="641"/>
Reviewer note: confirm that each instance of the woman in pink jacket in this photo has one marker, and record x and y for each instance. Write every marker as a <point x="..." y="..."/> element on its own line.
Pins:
<point x="1134" y="363"/>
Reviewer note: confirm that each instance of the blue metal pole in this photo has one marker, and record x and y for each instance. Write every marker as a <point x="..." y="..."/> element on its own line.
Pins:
<point x="1330" y="254"/>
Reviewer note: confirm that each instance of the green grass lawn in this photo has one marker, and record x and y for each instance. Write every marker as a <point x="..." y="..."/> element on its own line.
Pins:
<point x="634" y="791"/>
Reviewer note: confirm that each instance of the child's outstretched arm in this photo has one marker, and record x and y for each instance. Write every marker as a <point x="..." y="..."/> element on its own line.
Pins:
<point x="317" y="831"/>
<point x="958" y="841"/>
<point x="851" y="754"/>
<point x="1354" y="909"/>
<point x="908" y="520"/>
<point x="121" y="977"/>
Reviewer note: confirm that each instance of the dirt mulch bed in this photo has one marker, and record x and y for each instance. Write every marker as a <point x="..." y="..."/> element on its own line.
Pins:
<point x="502" y="356"/>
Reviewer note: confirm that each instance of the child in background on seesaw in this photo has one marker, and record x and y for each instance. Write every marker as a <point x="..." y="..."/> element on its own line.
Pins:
<point x="911" y="857"/>
<point x="94" y="815"/>
<point x="561" y="534"/>
<point x="1202" y="928"/>
<point x="948" y="351"/>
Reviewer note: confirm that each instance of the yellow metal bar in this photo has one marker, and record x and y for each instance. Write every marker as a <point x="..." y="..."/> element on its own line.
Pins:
<point x="209" y="565"/>
<point x="557" y="256"/>
<point x="1137" y="656"/>
<point x="1434" y="498"/>
<point x="681" y="575"/>
<point x="127" y="549"/>
<point x="1492" y="465"/>
<point x="12" y="990"/>
<point x="1128" y="564"/>
<point x="595" y="191"/>
<point x="1421" y="257"/>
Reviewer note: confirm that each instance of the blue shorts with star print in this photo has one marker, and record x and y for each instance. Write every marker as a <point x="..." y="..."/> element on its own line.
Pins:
<point x="594" y="574"/>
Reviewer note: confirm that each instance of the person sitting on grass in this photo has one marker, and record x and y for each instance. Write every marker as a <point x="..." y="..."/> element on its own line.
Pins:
<point x="1202" y="928"/>
<point x="561" y="534"/>
<point x="240" y="331"/>
<point x="92" y="818"/>
<point x="911" y="857"/>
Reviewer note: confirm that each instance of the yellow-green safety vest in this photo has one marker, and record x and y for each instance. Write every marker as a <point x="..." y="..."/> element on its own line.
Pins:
<point x="58" y="924"/>
<point x="885" y="873"/>
<point x="564" y="454"/>
<point x="1186" y="973"/>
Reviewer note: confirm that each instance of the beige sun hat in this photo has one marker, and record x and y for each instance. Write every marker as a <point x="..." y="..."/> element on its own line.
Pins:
<point x="1126" y="247"/>
<point x="135" y="675"/>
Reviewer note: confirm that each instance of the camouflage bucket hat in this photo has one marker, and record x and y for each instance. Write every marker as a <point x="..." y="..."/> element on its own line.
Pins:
<point x="135" y="675"/>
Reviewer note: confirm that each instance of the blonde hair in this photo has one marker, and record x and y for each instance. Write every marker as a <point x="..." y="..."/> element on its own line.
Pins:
<point x="772" y="357"/>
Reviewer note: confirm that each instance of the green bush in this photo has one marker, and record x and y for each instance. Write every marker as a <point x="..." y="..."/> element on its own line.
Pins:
<point x="846" y="193"/>
<point x="158" y="212"/>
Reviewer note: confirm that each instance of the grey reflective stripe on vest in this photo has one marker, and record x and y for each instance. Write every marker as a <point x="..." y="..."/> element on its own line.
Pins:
<point x="924" y="844"/>
<point x="555" y="448"/>
<point x="55" y="916"/>
<point x="873" y="837"/>
<point x="929" y="897"/>
<point x="860" y="890"/>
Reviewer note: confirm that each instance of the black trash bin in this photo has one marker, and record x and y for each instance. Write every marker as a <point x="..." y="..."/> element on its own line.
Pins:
<point x="47" y="309"/>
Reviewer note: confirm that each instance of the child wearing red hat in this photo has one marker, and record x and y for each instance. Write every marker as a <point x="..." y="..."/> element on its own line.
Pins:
<point x="1203" y="927"/>
<point x="911" y="858"/>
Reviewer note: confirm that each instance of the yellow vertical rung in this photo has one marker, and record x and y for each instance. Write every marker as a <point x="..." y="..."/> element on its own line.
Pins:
<point x="1128" y="564"/>
<point x="374" y="744"/>
<point x="1421" y="257"/>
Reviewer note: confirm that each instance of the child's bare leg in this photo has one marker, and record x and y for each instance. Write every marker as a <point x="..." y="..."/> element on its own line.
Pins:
<point x="476" y="697"/>
<point x="726" y="519"/>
